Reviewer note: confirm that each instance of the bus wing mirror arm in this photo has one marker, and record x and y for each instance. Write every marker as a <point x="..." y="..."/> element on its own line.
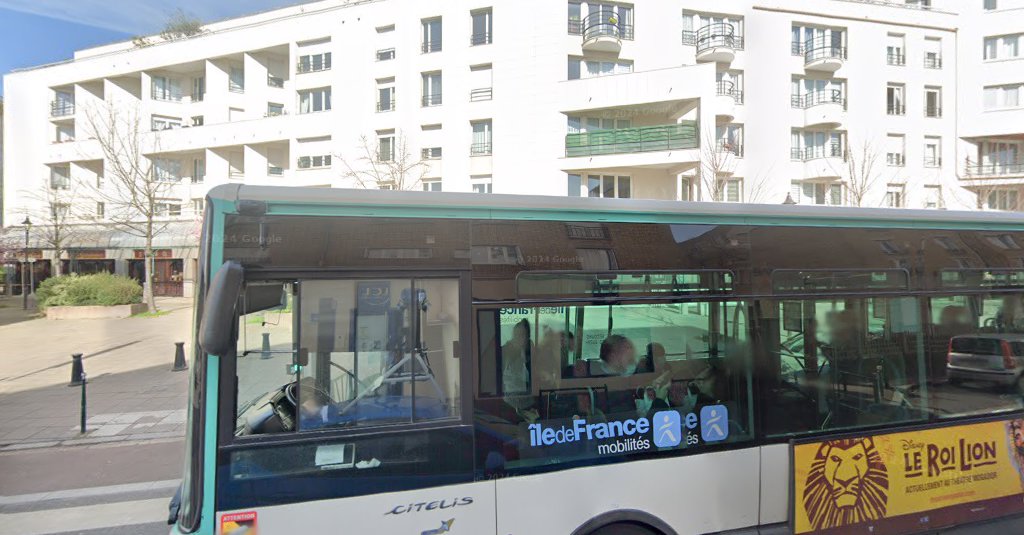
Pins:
<point x="216" y="330"/>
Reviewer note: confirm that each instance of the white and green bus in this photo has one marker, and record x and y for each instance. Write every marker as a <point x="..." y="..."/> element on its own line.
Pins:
<point x="411" y="362"/>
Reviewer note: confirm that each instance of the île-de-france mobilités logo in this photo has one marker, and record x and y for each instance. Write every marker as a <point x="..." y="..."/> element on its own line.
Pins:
<point x="847" y="484"/>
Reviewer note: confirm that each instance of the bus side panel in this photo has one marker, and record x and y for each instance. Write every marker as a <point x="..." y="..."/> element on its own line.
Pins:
<point x="694" y="494"/>
<point x="774" y="484"/>
<point x="467" y="508"/>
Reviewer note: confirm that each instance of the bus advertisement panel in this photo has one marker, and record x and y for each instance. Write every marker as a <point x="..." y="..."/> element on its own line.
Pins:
<point x="908" y="482"/>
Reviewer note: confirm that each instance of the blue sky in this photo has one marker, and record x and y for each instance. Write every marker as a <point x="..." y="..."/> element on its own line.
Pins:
<point x="34" y="32"/>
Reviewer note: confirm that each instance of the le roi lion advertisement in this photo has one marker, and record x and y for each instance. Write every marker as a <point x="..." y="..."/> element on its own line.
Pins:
<point x="907" y="482"/>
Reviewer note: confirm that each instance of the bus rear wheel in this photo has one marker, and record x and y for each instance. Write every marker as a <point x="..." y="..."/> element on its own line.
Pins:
<point x="625" y="529"/>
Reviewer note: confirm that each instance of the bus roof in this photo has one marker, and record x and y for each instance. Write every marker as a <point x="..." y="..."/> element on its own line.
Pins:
<point x="382" y="203"/>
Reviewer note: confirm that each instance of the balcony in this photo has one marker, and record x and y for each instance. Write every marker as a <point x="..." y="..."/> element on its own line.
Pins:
<point x="933" y="111"/>
<point x="716" y="42"/>
<point x="933" y="62"/>
<point x="602" y="32"/>
<point x="430" y="46"/>
<point x="933" y="161"/>
<point x="898" y="60"/>
<point x="820" y="55"/>
<point x="478" y="39"/>
<point x="633" y="140"/>
<point x="725" y="146"/>
<point x="895" y="109"/>
<point x="275" y="81"/>
<point x="994" y="169"/>
<point x="481" y="94"/>
<point x="725" y="101"/>
<point x="61" y="109"/>
<point x="824" y="161"/>
<point x="386" y="105"/>
<point x="274" y="170"/>
<point x="480" y="149"/>
<point x="825" y="108"/>
<point x="431" y="100"/>
<point x="894" y="159"/>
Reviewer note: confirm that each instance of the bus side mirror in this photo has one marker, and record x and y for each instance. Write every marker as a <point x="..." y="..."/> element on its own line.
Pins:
<point x="218" y="324"/>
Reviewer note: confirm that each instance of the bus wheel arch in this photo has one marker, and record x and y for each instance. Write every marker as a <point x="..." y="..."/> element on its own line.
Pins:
<point x="625" y="522"/>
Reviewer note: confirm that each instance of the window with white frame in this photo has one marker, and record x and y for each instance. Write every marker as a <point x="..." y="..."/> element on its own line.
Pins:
<point x="617" y="18"/>
<point x="314" y="62"/>
<point x="895" y="99"/>
<point x="729" y="190"/>
<point x="385" y="145"/>
<point x="431" y="35"/>
<point x="198" y="88"/>
<point x="65" y="133"/>
<point x="1003" y="96"/>
<point x="1003" y="199"/>
<point x="431" y="184"/>
<point x="167" y="208"/>
<point x="729" y="139"/>
<point x="315" y="100"/>
<point x="164" y="88"/>
<point x="809" y="92"/>
<point x="575" y="185"/>
<point x="707" y="30"/>
<point x="808" y="40"/>
<point x="932" y="101"/>
<point x="480" y="183"/>
<point x="482" y="22"/>
<point x="275" y="109"/>
<point x="198" y="204"/>
<point x="431" y="89"/>
<point x="932" y="151"/>
<point x="198" y="169"/>
<point x="933" y="52"/>
<point x="101" y="210"/>
<point x="60" y="177"/>
<point x="610" y="186"/>
<point x="320" y="161"/>
<point x="481" y="82"/>
<point x="730" y="83"/>
<point x="577" y="125"/>
<point x="580" y="68"/>
<point x="236" y="80"/>
<point x="895" y="150"/>
<point x="482" y="136"/>
<point x="1003" y="46"/>
<point x="236" y="164"/>
<point x="163" y="122"/>
<point x="386" y="94"/>
<point x="685" y="189"/>
<point x="811" y="144"/>
<point x="823" y="193"/>
<point x="894" y="49"/>
<point x="60" y="210"/>
<point x="430" y="153"/>
<point x="894" y="195"/>
<point x="167" y="169"/>
<point x="933" y="196"/>
<point x="990" y="5"/>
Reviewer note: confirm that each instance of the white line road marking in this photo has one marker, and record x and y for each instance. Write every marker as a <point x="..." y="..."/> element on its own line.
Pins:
<point x="84" y="518"/>
<point x="90" y="491"/>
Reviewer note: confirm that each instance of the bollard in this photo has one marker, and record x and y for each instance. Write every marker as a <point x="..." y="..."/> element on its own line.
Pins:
<point x="265" y="354"/>
<point x="83" y="381"/>
<point x="77" y="372"/>
<point x="179" y="357"/>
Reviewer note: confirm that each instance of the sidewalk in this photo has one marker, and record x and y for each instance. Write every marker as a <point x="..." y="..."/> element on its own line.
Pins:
<point x="132" y="394"/>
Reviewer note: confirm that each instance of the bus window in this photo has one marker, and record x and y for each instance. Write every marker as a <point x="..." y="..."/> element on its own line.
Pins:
<point x="551" y="367"/>
<point x="266" y="348"/>
<point x="842" y="363"/>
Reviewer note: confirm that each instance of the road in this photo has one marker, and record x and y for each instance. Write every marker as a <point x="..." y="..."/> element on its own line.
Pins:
<point x="117" y="489"/>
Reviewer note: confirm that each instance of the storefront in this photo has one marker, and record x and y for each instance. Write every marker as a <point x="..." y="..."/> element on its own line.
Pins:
<point x="168" y="272"/>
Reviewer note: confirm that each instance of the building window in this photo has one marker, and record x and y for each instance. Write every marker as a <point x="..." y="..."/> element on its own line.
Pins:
<point x="385" y="94"/>
<point x="60" y="210"/>
<point x="1002" y="199"/>
<point x="580" y="68"/>
<point x="101" y="210"/>
<point x="167" y="170"/>
<point x="575" y="183"/>
<point x="609" y="186"/>
<point x="198" y="88"/>
<point x="432" y="184"/>
<point x="807" y="93"/>
<point x="816" y="42"/>
<point x="385" y="54"/>
<point x="894" y="54"/>
<point x="480" y="183"/>
<point x="482" y="27"/>
<point x="730" y="190"/>
<point x="829" y="194"/>
<point x="197" y="120"/>
<point x="60" y="177"/>
<point x="386" y="146"/>
<point x="1003" y="47"/>
<point x="430" y="153"/>
<point x="933" y="102"/>
<point x="236" y="80"/>
<point x="1003" y="96"/>
<point x="481" y="82"/>
<point x="894" y="195"/>
<point x="274" y="109"/>
<point x="932" y="151"/>
<point x="314" y="63"/>
<point x="933" y="53"/>
<point x="315" y="100"/>
<point x="932" y="196"/>
<point x="431" y="89"/>
<point x="575" y="19"/>
<point x="481" y="138"/>
<point x="167" y="208"/>
<point x="431" y="35"/>
<point x="197" y="206"/>
<point x="990" y="5"/>
<point x="894" y="100"/>
<point x="164" y="88"/>
<point x="315" y="162"/>
<point x="161" y="122"/>
<point x="808" y="144"/>
<point x="65" y="133"/>
<point x="894" y="150"/>
<point x="729" y="139"/>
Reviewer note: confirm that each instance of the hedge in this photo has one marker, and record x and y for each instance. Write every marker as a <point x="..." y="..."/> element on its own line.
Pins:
<point x="96" y="289"/>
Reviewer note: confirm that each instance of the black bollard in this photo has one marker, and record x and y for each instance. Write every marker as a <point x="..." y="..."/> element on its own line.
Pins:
<point x="179" y="357"/>
<point x="265" y="352"/>
<point x="83" y="380"/>
<point x="76" y="369"/>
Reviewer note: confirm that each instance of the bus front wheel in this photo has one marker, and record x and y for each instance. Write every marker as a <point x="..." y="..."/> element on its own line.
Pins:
<point x="625" y="529"/>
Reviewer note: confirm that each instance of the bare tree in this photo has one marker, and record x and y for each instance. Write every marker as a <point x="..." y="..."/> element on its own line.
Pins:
<point x="864" y="167"/>
<point x="717" y="163"/>
<point x="385" y="166"/>
<point x="57" y="216"/>
<point x="181" y="25"/>
<point x="133" y="198"/>
<point x="758" y="186"/>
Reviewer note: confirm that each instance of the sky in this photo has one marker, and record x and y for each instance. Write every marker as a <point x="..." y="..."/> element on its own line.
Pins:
<point x="36" y="32"/>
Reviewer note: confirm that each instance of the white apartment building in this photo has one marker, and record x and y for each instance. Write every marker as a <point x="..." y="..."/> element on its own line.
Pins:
<point x="874" y="103"/>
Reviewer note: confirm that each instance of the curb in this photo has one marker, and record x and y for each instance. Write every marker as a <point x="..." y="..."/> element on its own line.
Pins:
<point x="89" y="441"/>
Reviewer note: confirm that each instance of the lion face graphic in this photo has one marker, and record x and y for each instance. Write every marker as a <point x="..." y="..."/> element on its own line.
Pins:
<point x="847" y="484"/>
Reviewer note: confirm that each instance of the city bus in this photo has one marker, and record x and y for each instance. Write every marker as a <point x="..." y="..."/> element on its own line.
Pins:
<point x="421" y="362"/>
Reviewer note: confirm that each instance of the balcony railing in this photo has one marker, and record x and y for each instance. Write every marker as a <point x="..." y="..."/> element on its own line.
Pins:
<point x="165" y="96"/>
<point x="726" y="88"/>
<point x="605" y="24"/>
<point x="729" y="147"/>
<point x="480" y="149"/>
<point x="430" y="46"/>
<point x="896" y="59"/>
<point x="1012" y="167"/>
<point x="629" y="140"/>
<point x="273" y="170"/>
<point x="894" y="159"/>
<point x="432" y="100"/>
<point x="303" y="67"/>
<point x="933" y="63"/>
<point x="814" y="98"/>
<point x="719" y="34"/>
<point x="575" y="27"/>
<point x="933" y="161"/>
<point x="826" y="51"/>
<point x="480" y="39"/>
<point x="61" y="108"/>
<point x="483" y="93"/>
<point x="832" y="150"/>
<point x="933" y="111"/>
<point x="896" y="109"/>
<point x="691" y="38"/>
<point x="275" y="81"/>
<point x="386" y="105"/>
<point x="198" y="179"/>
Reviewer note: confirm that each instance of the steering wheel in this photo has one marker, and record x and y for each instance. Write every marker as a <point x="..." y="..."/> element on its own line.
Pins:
<point x="291" y="393"/>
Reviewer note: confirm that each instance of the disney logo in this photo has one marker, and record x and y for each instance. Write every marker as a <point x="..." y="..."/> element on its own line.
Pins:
<point x="910" y="444"/>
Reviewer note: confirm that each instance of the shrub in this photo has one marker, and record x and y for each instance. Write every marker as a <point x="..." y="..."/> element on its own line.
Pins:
<point x="96" y="289"/>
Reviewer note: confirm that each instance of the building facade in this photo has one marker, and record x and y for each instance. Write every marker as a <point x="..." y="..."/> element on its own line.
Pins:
<point x="869" y="103"/>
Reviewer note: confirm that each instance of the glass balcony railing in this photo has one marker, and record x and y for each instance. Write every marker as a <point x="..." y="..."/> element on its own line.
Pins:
<point x="629" y="140"/>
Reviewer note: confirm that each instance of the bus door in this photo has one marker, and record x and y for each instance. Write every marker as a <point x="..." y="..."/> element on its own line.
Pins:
<point x="349" y="411"/>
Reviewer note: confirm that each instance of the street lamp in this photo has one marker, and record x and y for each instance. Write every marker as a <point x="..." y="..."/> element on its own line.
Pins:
<point x="789" y="199"/>
<point x="24" y="295"/>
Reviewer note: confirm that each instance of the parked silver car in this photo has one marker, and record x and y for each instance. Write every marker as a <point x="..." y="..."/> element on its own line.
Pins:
<point x="995" y="358"/>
